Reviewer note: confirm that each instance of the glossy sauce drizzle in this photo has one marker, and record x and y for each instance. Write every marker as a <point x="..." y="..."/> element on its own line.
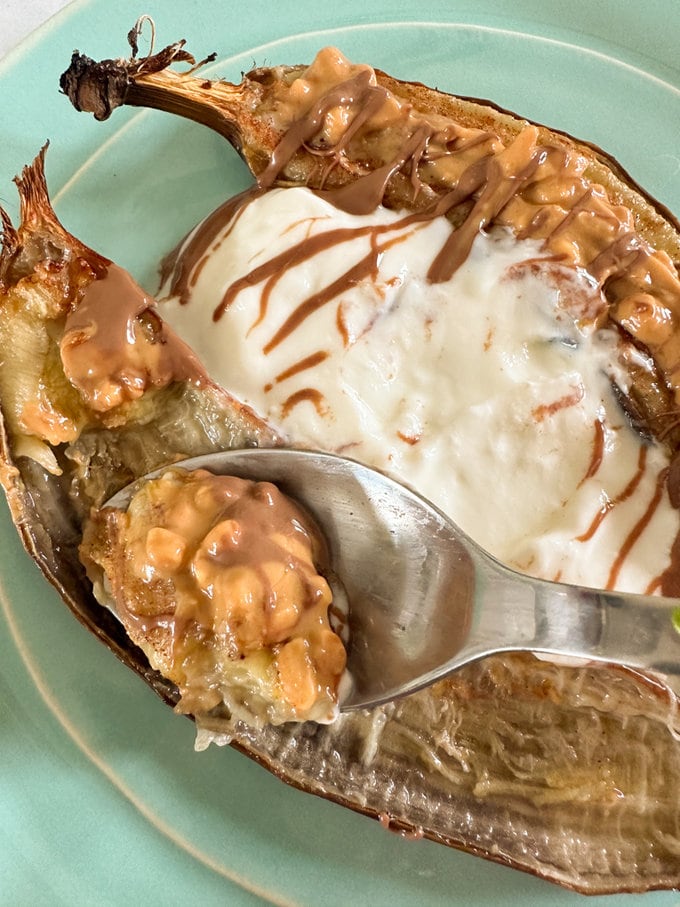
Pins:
<point x="609" y="504"/>
<point x="538" y="189"/>
<point x="115" y="346"/>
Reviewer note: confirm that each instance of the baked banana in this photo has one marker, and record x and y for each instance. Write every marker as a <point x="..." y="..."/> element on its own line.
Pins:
<point x="516" y="759"/>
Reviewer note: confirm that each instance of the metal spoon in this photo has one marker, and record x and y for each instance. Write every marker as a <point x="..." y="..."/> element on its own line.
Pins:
<point x="425" y="599"/>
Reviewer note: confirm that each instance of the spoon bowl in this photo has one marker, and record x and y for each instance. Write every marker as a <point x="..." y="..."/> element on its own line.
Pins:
<point x="425" y="599"/>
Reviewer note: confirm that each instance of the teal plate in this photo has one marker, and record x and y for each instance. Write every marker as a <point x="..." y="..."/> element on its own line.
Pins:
<point x="102" y="799"/>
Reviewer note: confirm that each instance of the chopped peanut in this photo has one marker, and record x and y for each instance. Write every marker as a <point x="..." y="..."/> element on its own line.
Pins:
<point x="297" y="675"/>
<point x="223" y="537"/>
<point x="40" y="418"/>
<point x="165" y="549"/>
<point x="287" y="600"/>
<point x="245" y="598"/>
<point x="329" y="654"/>
<point x="238" y="596"/>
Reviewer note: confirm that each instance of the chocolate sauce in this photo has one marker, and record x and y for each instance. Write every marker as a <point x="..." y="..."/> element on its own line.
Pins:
<point x="637" y="530"/>
<point x="492" y="186"/>
<point x="225" y="573"/>
<point x="341" y="325"/>
<point x="536" y="188"/>
<point x="621" y="256"/>
<point x="674" y="481"/>
<point x="627" y="492"/>
<point x="364" y="194"/>
<point x="275" y="268"/>
<point x="669" y="581"/>
<point x="597" y="453"/>
<point x="365" y="267"/>
<point x="356" y="92"/>
<point x="310" y="361"/>
<point x="539" y="190"/>
<point x="263" y="520"/>
<point x="182" y="266"/>
<point x="306" y="395"/>
<point x="505" y="177"/>
<point x="541" y="412"/>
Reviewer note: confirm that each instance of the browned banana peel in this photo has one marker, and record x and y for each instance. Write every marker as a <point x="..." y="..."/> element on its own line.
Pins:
<point x="570" y="773"/>
<point x="69" y="440"/>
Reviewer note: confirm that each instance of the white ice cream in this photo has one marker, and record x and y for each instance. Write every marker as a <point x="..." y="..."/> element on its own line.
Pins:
<point x="482" y="392"/>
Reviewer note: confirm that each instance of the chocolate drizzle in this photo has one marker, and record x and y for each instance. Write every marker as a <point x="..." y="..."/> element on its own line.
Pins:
<point x="183" y="265"/>
<point x="272" y="271"/>
<point x="226" y="571"/>
<point x="609" y="504"/>
<point x="537" y="190"/>
<point x="597" y="454"/>
<point x="308" y="362"/>
<point x="365" y="194"/>
<point x="504" y="176"/>
<point x="637" y="529"/>
<point x="357" y="93"/>
<point x="534" y="186"/>
<point x="365" y="267"/>
<point x="305" y="395"/>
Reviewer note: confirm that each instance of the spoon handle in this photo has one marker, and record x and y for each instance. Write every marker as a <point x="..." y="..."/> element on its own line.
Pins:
<point x="553" y="618"/>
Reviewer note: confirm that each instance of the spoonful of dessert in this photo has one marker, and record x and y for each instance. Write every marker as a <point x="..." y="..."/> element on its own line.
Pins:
<point x="425" y="599"/>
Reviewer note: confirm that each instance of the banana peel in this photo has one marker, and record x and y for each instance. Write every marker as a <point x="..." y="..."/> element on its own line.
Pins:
<point x="566" y="772"/>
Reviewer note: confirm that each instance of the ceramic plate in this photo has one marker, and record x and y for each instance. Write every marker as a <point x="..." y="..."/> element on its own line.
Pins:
<point x="102" y="799"/>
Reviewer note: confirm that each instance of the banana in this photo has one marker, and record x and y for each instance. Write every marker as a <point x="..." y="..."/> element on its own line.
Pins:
<point x="562" y="771"/>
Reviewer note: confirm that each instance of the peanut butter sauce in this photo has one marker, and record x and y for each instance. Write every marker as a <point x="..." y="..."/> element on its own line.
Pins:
<point x="227" y="570"/>
<point x="539" y="190"/>
<point x="115" y="346"/>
